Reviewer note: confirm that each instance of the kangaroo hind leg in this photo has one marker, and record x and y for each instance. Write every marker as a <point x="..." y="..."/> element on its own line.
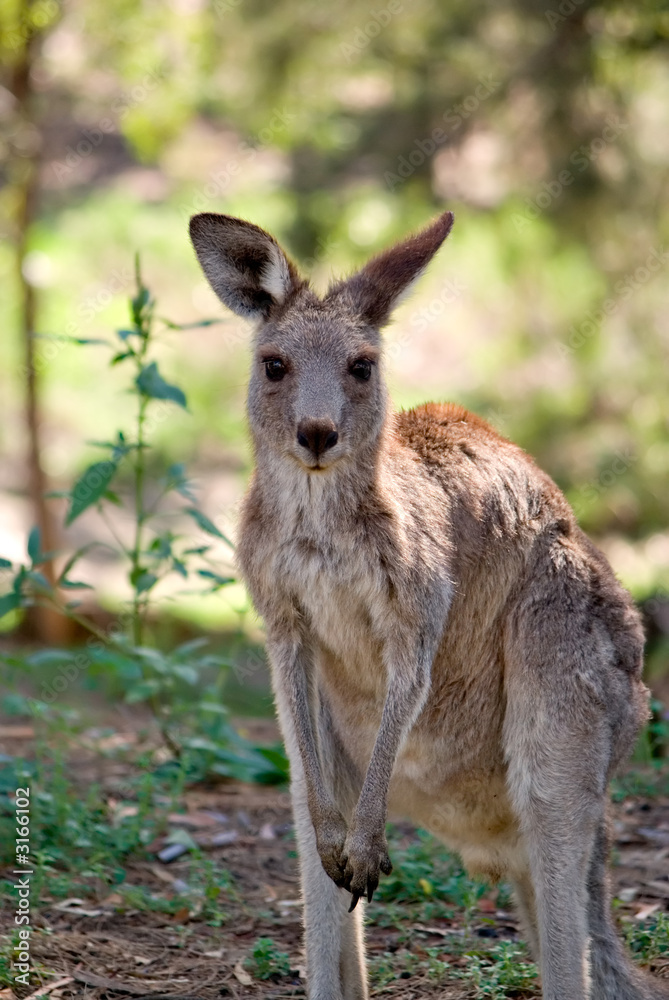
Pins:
<point x="334" y="938"/>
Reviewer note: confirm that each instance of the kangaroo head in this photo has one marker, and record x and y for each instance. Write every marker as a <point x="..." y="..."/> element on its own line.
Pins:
<point x="316" y="393"/>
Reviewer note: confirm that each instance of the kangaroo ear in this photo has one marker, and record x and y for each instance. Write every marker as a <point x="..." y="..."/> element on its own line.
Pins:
<point x="374" y="292"/>
<point x="247" y="269"/>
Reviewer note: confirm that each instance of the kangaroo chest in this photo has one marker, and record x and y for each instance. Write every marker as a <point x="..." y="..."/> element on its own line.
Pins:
<point x="342" y="592"/>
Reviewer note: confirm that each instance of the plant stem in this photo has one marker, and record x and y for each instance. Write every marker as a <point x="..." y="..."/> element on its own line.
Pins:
<point x="112" y="531"/>
<point x="143" y="321"/>
<point x="137" y="601"/>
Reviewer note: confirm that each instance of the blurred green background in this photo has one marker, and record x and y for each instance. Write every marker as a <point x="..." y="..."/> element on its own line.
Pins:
<point x="543" y="126"/>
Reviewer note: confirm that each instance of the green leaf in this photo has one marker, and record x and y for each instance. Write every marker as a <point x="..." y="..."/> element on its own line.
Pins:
<point x="144" y="581"/>
<point x="139" y="303"/>
<point x="187" y="648"/>
<point x="186" y="673"/>
<point x="124" y="334"/>
<point x="151" y="383"/>
<point x="9" y="602"/>
<point x="38" y="579"/>
<point x="73" y="559"/>
<point x="72" y="340"/>
<point x="161" y="547"/>
<point x="121" y="356"/>
<point x="203" y="522"/>
<point x="75" y="585"/>
<point x="89" y="488"/>
<point x="34" y="546"/>
<point x="50" y="658"/>
<point x="171" y="325"/>
<point x="142" y="691"/>
<point x="179" y="567"/>
<point x="5" y="564"/>
<point x="220" y="581"/>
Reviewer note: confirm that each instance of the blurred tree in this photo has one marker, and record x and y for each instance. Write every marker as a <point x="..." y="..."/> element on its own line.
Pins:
<point x="23" y="24"/>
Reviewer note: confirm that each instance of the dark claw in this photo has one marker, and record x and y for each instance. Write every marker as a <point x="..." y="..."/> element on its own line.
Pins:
<point x="354" y="901"/>
<point x="371" y="889"/>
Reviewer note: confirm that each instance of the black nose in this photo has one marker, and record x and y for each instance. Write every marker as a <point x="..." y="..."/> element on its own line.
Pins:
<point x="317" y="435"/>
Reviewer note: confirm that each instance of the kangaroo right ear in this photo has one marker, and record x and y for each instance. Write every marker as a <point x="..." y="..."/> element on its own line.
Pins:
<point x="244" y="265"/>
<point x="375" y="291"/>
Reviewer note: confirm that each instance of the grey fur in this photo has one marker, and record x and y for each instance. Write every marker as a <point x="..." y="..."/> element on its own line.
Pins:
<point x="444" y="639"/>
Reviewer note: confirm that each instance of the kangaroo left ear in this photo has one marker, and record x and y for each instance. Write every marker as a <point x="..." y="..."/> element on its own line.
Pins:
<point x="244" y="265"/>
<point x="375" y="290"/>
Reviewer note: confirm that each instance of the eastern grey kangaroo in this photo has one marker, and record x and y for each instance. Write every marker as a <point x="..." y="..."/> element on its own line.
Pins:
<point x="445" y="642"/>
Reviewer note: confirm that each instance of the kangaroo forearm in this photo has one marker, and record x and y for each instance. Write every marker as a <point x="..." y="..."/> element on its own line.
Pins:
<point x="403" y="703"/>
<point x="292" y="668"/>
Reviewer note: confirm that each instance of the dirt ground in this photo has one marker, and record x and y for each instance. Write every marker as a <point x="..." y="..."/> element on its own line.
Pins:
<point x="103" y="951"/>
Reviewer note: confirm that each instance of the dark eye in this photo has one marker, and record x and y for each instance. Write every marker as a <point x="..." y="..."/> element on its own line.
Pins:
<point x="274" y="369"/>
<point x="361" y="369"/>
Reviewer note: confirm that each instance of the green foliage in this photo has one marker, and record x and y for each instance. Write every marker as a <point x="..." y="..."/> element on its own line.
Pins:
<point x="71" y="833"/>
<point x="427" y="873"/>
<point x="81" y="845"/>
<point x="183" y="687"/>
<point x="266" y="961"/>
<point x="648" y="775"/>
<point x="387" y="967"/>
<point x="90" y="488"/>
<point x="648" y="939"/>
<point x="151" y="384"/>
<point x="156" y="552"/>
<point x="499" y="972"/>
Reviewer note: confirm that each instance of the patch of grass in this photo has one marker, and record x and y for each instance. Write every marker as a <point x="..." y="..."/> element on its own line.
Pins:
<point x="266" y="961"/>
<point x="648" y="776"/>
<point x="7" y="945"/>
<point x="8" y="970"/>
<point x="500" y="972"/>
<point x="388" y="967"/>
<point x="81" y="844"/>
<point x="646" y="782"/>
<point x="648" y="940"/>
<point x="428" y="876"/>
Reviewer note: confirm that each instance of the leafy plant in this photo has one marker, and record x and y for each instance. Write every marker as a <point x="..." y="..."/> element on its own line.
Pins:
<point x="183" y="687"/>
<point x="155" y="552"/>
<point x="500" y="972"/>
<point x="426" y="873"/>
<point x="266" y="961"/>
<point x="648" y="940"/>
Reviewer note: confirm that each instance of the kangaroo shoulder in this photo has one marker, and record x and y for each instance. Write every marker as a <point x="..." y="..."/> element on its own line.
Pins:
<point x="434" y="429"/>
